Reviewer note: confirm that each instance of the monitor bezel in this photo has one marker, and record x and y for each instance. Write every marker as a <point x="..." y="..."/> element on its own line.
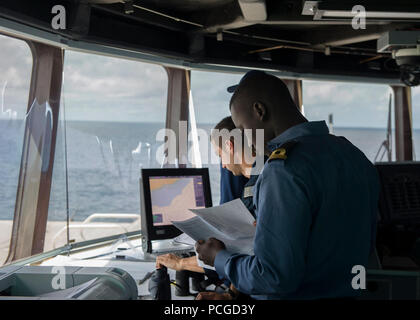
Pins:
<point x="167" y="231"/>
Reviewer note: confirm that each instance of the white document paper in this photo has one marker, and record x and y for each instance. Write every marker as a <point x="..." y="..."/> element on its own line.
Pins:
<point x="230" y="223"/>
<point x="231" y="218"/>
<point x="184" y="238"/>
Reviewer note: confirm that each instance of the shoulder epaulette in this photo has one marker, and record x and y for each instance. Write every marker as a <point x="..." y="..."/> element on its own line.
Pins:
<point x="281" y="153"/>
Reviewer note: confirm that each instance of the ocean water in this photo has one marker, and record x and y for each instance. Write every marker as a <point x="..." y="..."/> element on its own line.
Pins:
<point x="104" y="162"/>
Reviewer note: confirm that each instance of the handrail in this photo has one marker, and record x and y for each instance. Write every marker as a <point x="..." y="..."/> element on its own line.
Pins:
<point x="135" y="216"/>
<point x="88" y="226"/>
<point x="87" y="223"/>
<point x="72" y="248"/>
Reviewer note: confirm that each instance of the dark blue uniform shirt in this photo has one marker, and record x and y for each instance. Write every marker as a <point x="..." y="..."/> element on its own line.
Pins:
<point x="231" y="186"/>
<point x="316" y="215"/>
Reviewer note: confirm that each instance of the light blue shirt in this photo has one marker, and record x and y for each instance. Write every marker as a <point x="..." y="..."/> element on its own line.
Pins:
<point x="316" y="219"/>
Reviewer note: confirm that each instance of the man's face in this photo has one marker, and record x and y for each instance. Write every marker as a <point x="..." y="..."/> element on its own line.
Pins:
<point x="228" y="160"/>
<point x="244" y="118"/>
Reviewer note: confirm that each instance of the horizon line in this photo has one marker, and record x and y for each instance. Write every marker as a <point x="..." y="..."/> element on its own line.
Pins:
<point x="208" y="123"/>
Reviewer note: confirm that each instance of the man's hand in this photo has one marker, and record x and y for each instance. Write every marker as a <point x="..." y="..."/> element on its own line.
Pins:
<point x="170" y="261"/>
<point x="207" y="250"/>
<point x="213" y="296"/>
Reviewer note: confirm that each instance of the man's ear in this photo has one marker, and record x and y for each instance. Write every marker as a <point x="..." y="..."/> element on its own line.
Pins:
<point x="260" y="110"/>
<point x="229" y="146"/>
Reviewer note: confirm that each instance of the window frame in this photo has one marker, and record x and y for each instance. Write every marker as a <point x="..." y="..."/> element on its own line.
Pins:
<point x="29" y="220"/>
<point x="46" y="86"/>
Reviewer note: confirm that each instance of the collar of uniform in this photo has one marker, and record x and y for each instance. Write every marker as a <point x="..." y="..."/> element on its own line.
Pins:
<point x="299" y="130"/>
<point x="258" y="165"/>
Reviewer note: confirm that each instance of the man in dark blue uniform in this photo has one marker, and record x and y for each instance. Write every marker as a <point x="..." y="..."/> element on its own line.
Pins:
<point x="316" y="203"/>
<point x="232" y="180"/>
<point x="238" y="184"/>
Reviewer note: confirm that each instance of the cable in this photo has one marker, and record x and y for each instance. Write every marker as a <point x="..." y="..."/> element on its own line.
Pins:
<point x="65" y="157"/>
<point x="175" y="284"/>
<point x="348" y="49"/>
<point x="168" y="16"/>
<point x="224" y="31"/>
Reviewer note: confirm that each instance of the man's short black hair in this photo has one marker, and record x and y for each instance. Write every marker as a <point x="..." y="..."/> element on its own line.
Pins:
<point x="263" y="85"/>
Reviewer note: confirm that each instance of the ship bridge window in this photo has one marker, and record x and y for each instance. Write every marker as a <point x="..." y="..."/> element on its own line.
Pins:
<point x="111" y="111"/>
<point x="210" y="100"/>
<point x="357" y="111"/>
<point x="15" y="76"/>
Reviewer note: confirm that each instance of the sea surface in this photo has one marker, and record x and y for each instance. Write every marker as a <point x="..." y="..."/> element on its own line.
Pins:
<point x="104" y="160"/>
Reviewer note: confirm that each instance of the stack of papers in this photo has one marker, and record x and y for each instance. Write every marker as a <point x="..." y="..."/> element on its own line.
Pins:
<point x="230" y="223"/>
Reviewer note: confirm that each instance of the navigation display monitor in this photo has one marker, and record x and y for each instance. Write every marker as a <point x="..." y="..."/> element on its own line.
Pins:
<point x="167" y="194"/>
<point x="173" y="196"/>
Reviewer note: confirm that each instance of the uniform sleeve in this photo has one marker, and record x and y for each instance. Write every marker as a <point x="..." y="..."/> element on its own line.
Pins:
<point x="283" y="224"/>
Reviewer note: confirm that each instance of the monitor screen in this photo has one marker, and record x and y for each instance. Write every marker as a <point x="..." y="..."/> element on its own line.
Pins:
<point x="173" y="196"/>
<point x="167" y="194"/>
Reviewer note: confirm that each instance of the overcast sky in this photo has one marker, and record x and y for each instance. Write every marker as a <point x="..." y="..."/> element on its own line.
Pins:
<point x="98" y="88"/>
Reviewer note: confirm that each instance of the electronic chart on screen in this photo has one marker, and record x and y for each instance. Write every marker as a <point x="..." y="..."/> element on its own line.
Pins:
<point x="167" y="194"/>
<point x="173" y="196"/>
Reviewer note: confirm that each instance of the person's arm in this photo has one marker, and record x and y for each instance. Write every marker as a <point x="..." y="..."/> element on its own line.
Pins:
<point x="232" y="294"/>
<point x="283" y="224"/>
<point x="174" y="262"/>
<point x="191" y="264"/>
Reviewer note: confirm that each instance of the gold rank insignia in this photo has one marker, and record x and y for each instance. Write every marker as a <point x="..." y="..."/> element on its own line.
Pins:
<point x="279" y="153"/>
